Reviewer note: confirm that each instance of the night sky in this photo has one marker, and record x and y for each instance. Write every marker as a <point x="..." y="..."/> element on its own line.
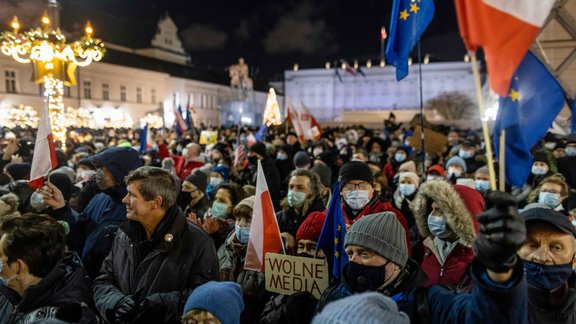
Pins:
<point x="270" y="35"/>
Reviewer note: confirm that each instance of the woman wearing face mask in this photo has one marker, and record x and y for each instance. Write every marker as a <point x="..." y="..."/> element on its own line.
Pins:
<point x="285" y="165"/>
<point x="219" y="219"/>
<point x="403" y="196"/>
<point x="231" y="256"/>
<point x="401" y="155"/>
<point x="220" y="174"/>
<point x="376" y="148"/>
<point x="41" y="281"/>
<point x="551" y="192"/>
<point x="540" y="170"/>
<point x="446" y="216"/>
<point x="194" y="187"/>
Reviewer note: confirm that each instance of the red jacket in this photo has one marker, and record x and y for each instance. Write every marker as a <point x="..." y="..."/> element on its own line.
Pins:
<point x="452" y="272"/>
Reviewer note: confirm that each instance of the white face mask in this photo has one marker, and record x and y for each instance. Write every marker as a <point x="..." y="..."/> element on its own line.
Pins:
<point x="454" y="171"/>
<point x="406" y="189"/>
<point x="357" y="199"/>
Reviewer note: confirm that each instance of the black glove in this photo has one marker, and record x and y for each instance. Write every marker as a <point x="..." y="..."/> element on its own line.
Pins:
<point x="152" y="310"/>
<point x="502" y="232"/>
<point x="300" y="307"/>
<point x="125" y="310"/>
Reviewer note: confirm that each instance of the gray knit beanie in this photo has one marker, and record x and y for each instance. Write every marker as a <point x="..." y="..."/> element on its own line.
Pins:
<point x="366" y="308"/>
<point x="381" y="233"/>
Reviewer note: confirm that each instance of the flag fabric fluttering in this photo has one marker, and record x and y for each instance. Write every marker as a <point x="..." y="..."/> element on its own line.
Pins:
<point x="261" y="133"/>
<point x="145" y="139"/>
<point x="179" y="122"/>
<point x="264" y="231"/>
<point x="409" y="20"/>
<point x="310" y="126"/>
<point x="44" y="157"/>
<point x="294" y="116"/>
<point x="239" y="154"/>
<point x="505" y="29"/>
<point x="189" y="117"/>
<point x="331" y="240"/>
<point x="526" y="113"/>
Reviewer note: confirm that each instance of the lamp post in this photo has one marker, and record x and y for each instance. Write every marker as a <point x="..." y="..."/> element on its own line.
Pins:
<point x="53" y="59"/>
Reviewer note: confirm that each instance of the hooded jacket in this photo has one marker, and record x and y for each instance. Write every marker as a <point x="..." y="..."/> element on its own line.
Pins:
<point x="96" y="226"/>
<point x="461" y="219"/>
<point x="64" y="294"/>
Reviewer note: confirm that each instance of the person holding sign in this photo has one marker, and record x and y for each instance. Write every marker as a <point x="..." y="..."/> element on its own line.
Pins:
<point x="232" y="255"/>
<point x="298" y="307"/>
<point x="379" y="262"/>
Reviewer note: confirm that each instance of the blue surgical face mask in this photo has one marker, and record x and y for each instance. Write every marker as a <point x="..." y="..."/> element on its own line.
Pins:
<point x="482" y="185"/>
<point x="536" y="170"/>
<point x="215" y="181"/>
<point x="406" y="189"/>
<point x="242" y="234"/>
<point x="547" y="276"/>
<point x="438" y="226"/>
<point x="464" y="154"/>
<point x="400" y="157"/>
<point x="570" y="151"/>
<point x="37" y="201"/>
<point x="549" y="199"/>
<point x="296" y="199"/>
<point x="357" y="199"/>
<point x="219" y="210"/>
<point x="281" y="156"/>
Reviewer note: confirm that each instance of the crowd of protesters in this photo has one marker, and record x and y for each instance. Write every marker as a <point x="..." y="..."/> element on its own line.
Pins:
<point x="124" y="234"/>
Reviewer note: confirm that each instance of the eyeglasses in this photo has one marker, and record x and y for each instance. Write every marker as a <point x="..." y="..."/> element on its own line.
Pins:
<point x="353" y="186"/>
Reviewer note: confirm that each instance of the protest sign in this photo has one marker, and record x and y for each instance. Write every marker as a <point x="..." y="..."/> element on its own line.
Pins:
<point x="434" y="142"/>
<point x="208" y="137"/>
<point x="286" y="274"/>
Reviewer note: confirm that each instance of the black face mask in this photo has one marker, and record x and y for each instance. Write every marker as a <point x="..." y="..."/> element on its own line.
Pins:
<point x="306" y="255"/>
<point x="361" y="278"/>
<point x="253" y="160"/>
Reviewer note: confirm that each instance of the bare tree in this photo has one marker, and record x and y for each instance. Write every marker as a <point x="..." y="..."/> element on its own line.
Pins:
<point x="452" y="106"/>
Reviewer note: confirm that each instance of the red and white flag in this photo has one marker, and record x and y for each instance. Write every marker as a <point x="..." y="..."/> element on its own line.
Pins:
<point x="44" y="158"/>
<point x="264" y="231"/>
<point x="505" y="29"/>
<point x="239" y="154"/>
<point x="309" y="124"/>
<point x="293" y="116"/>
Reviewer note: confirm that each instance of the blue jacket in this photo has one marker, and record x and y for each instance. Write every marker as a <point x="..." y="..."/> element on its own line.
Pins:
<point x="488" y="302"/>
<point x="97" y="225"/>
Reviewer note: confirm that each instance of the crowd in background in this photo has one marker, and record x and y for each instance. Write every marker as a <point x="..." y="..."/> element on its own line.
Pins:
<point x="415" y="222"/>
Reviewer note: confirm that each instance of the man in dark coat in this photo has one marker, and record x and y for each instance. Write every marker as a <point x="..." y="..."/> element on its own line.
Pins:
<point x="97" y="225"/>
<point x="258" y="152"/>
<point x="158" y="257"/>
<point x="548" y="257"/>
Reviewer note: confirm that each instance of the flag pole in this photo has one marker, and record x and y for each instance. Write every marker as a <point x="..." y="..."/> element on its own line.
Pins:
<point x="488" y="142"/>
<point x="421" y="108"/>
<point x="502" y="160"/>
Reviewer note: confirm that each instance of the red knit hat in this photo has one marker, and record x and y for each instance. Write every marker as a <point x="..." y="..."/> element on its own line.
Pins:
<point x="438" y="169"/>
<point x="473" y="201"/>
<point x="311" y="227"/>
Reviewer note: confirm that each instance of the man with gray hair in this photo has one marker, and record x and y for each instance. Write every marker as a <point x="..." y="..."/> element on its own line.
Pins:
<point x="157" y="258"/>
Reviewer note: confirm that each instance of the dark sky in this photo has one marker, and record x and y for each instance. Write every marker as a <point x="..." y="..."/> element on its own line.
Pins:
<point x="270" y="35"/>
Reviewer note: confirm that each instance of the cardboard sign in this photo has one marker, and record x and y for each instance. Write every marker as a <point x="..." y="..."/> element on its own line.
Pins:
<point x="208" y="137"/>
<point x="286" y="274"/>
<point x="434" y="142"/>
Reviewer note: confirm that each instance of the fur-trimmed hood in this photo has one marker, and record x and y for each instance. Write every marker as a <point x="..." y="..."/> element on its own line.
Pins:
<point x="449" y="200"/>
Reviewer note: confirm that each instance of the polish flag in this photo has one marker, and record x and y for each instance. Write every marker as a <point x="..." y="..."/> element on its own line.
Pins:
<point x="44" y="158"/>
<point x="505" y="29"/>
<point x="264" y="231"/>
<point x="146" y="139"/>
<point x="179" y="120"/>
<point x="310" y="125"/>
<point x="294" y="117"/>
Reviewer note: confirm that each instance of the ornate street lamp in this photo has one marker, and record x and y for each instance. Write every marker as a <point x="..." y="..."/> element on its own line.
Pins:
<point x="54" y="60"/>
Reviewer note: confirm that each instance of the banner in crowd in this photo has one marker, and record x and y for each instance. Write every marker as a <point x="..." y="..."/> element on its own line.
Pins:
<point x="434" y="142"/>
<point x="287" y="274"/>
<point x="208" y="137"/>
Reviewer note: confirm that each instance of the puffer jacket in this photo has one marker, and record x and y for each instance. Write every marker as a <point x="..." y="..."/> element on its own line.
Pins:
<point x="460" y="205"/>
<point x="163" y="270"/>
<point x="231" y="256"/>
<point x="64" y="294"/>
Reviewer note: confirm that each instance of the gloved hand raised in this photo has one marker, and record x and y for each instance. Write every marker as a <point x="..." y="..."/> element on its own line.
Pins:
<point x="502" y="232"/>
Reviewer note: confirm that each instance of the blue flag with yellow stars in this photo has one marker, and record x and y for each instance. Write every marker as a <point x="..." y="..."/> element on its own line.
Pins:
<point x="534" y="101"/>
<point x="331" y="240"/>
<point x="410" y="18"/>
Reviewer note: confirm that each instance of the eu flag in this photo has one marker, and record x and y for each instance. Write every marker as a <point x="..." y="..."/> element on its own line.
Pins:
<point x="261" y="133"/>
<point x="179" y="131"/>
<point x="410" y="18"/>
<point x="331" y="239"/>
<point x="143" y="140"/>
<point x="534" y="101"/>
<point x="573" y="109"/>
<point x="189" y="120"/>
